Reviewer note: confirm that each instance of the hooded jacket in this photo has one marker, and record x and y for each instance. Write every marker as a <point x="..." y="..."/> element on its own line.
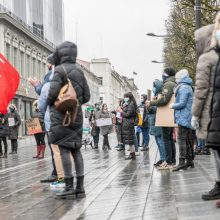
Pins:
<point x="65" y="61"/>
<point x="167" y="92"/>
<point x="155" y="131"/>
<point x="183" y="102"/>
<point x="205" y="71"/>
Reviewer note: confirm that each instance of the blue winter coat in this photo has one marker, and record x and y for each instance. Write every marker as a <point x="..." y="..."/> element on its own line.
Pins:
<point x="183" y="102"/>
<point x="44" y="108"/>
<point x="155" y="131"/>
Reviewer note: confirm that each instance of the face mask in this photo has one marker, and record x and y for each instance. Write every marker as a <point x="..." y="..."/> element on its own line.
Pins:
<point x="142" y="100"/>
<point x="126" y="100"/>
<point x="165" y="77"/>
<point x="217" y="35"/>
<point x="11" y="109"/>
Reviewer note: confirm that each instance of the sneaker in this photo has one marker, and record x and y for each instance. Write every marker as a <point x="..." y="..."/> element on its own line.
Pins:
<point x="137" y="153"/>
<point x="165" y="166"/>
<point x="205" y="151"/>
<point x="58" y="184"/>
<point x="158" y="163"/>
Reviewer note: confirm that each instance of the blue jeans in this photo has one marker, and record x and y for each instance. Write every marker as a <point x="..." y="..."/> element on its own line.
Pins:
<point x="146" y="136"/>
<point x="161" y="147"/>
<point x="200" y="143"/>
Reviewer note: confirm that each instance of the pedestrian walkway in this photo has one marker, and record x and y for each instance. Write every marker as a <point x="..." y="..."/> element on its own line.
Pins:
<point x="116" y="189"/>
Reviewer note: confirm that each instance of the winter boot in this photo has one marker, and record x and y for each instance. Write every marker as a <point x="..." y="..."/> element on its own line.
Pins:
<point x="79" y="191"/>
<point x="42" y="150"/>
<point x="38" y="152"/>
<point x="212" y="194"/>
<point x="181" y="166"/>
<point x="131" y="156"/>
<point x="69" y="192"/>
<point x="121" y="147"/>
<point x="190" y="163"/>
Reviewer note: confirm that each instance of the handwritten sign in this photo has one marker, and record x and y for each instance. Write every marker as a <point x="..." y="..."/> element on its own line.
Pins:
<point x="33" y="126"/>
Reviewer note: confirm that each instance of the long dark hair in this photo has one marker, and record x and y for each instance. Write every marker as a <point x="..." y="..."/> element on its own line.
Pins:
<point x="131" y="97"/>
<point x="103" y="106"/>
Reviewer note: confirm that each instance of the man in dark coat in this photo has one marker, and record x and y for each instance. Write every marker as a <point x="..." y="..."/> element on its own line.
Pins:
<point x="69" y="139"/>
<point x="14" y="121"/>
<point x="167" y="92"/>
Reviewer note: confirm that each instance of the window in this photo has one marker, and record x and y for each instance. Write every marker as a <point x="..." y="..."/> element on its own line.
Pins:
<point x="28" y="65"/>
<point x="15" y="57"/>
<point x="34" y="67"/>
<point x="8" y="52"/>
<point x="22" y="65"/>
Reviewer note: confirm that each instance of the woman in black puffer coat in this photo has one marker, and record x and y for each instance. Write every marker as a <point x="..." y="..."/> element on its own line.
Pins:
<point x="68" y="138"/>
<point x="129" y="115"/>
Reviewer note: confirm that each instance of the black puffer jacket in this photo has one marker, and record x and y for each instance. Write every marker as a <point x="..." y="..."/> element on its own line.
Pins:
<point x="128" y="121"/>
<point x="213" y="136"/>
<point x="71" y="136"/>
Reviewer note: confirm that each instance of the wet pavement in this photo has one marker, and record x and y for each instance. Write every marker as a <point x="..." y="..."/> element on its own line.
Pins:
<point x="116" y="189"/>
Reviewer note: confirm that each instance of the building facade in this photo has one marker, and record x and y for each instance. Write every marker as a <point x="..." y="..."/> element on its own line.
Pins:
<point x="113" y="85"/>
<point x="45" y="17"/>
<point x="27" y="53"/>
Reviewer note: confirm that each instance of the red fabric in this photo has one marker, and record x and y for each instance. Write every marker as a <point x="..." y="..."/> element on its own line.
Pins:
<point x="9" y="82"/>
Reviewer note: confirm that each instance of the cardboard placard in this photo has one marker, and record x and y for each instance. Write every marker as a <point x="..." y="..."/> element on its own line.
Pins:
<point x="11" y="122"/>
<point x="33" y="126"/>
<point x="103" y="122"/>
<point x="165" y="115"/>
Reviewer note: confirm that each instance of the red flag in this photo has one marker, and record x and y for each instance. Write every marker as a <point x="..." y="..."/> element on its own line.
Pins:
<point x="9" y="82"/>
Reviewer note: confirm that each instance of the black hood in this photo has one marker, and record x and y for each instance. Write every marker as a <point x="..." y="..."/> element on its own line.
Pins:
<point x="66" y="52"/>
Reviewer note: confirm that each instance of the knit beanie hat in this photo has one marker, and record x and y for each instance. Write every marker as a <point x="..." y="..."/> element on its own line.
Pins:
<point x="50" y="59"/>
<point x="181" y="74"/>
<point x="170" y="71"/>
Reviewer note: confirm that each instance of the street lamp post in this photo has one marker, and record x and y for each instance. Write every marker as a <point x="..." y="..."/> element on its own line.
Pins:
<point x="155" y="35"/>
<point x="198" y="14"/>
<point x="155" y="61"/>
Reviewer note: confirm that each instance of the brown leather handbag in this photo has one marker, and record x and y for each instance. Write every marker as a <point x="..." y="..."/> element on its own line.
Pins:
<point x="67" y="102"/>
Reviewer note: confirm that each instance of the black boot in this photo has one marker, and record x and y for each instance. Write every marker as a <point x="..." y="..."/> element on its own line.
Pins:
<point x="190" y="163"/>
<point x="121" y="147"/>
<point x="181" y="166"/>
<point x="69" y="192"/>
<point x="131" y="156"/>
<point x="79" y="191"/>
<point x="212" y="194"/>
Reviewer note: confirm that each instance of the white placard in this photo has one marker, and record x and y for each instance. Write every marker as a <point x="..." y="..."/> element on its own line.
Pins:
<point x="118" y="115"/>
<point x="11" y="122"/>
<point x="103" y="122"/>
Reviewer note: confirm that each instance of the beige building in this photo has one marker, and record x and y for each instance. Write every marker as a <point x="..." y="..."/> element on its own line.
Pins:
<point x="113" y="85"/>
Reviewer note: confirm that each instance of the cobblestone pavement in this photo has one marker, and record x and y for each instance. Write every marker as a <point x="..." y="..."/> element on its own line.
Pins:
<point x="116" y="189"/>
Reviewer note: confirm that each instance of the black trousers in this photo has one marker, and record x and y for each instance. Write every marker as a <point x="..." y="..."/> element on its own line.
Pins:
<point x="167" y="134"/>
<point x="14" y="145"/>
<point x="105" y="140"/>
<point x="40" y="138"/>
<point x="4" y="140"/>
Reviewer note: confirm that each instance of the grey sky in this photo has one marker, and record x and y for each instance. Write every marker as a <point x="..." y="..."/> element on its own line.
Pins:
<point x="117" y="29"/>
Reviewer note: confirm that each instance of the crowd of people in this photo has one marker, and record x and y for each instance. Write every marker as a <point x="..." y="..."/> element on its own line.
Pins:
<point x="196" y="111"/>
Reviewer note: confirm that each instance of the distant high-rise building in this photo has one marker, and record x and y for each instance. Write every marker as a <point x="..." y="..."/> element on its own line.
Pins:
<point x="44" y="16"/>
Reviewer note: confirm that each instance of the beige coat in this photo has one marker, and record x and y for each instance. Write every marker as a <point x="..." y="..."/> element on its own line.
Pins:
<point x="205" y="72"/>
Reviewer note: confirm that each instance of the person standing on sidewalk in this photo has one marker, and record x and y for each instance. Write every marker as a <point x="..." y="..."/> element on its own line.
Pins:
<point x="210" y="65"/>
<point x="107" y="129"/>
<point x="38" y="86"/>
<point x="144" y="128"/>
<point x="95" y="130"/>
<point x="69" y="138"/>
<point x="157" y="131"/>
<point x="14" y="121"/>
<point x="3" y="135"/>
<point x="167" y="93"/>
<point x="39" y="137"/>
<point x="57" y="174"/>
<point x="182" y="106"/>
<point x="129" y="116"/>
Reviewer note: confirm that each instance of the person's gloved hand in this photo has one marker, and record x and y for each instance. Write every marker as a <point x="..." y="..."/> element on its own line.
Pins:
<point x="171" y="105"/>
<point x="195" y="122"/>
